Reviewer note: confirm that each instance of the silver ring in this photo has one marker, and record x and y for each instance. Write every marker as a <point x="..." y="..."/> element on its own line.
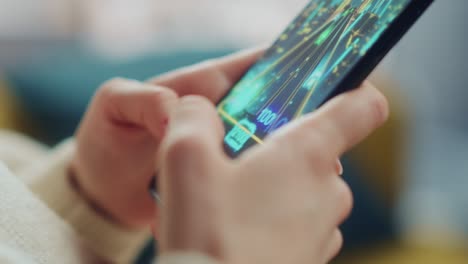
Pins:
<point x="153" y="190"/>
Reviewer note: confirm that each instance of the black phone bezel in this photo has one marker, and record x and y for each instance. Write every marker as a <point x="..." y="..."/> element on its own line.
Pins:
<point x="367" y="63"/>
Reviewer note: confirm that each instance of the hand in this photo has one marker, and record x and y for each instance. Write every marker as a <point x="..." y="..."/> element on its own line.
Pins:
<point x="280" y="202"/>
<point x="119" y="137"/>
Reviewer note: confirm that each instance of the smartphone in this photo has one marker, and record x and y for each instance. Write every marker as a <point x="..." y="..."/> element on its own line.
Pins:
<point x="330" y="48"/>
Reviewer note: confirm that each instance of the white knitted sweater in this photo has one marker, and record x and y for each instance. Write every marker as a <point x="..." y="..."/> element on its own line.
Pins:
<point x="42" y="219"/>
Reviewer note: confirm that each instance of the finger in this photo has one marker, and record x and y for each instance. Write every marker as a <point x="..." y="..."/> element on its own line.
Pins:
<point x="133" y="103"/>
<point x="334" y="246"/>
<point x="343" y="201"/>
<point x="191" y="156"/>
<point x="344" y="121"/>
<point x="349" y="118"/>
<point x="211" y="79"/>
<point x="194" y="138"/>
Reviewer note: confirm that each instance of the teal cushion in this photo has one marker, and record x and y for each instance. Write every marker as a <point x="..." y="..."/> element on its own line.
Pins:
<point x="57" y="87"/>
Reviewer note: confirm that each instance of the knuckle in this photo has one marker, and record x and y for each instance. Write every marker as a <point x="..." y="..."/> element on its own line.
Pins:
<point x="345" y="199"/>
<point x="109" y="89"/>
<point x="337" y="243"/>
<point x="113" y="84"/>
<point x="379" y="108"/>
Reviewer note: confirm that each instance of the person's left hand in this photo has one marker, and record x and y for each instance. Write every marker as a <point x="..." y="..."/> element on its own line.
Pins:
<point x="118" y="139"/>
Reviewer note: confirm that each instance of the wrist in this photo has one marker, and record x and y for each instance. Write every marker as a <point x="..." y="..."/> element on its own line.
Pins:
<point x="50" y="183"/>
<point x="74" y="182"/>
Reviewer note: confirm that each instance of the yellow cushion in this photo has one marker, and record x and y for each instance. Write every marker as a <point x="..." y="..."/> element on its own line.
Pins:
<point x="11" y="116"/>
<point x="405" y="254"/>
<point x="379" y="156"/>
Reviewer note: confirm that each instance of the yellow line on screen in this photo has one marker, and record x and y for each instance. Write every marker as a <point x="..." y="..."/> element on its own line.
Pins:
<point x="234" y="121"/>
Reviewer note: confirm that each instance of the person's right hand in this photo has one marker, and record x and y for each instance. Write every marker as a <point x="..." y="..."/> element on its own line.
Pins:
<point x="280" y="202"/>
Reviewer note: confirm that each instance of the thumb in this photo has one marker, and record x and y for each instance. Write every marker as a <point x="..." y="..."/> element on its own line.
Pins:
<point x="191" y="158"/>
<point x="193" y="143"/>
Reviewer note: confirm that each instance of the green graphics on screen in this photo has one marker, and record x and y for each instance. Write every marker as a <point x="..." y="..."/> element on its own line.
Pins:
<point x="303" y="66"/>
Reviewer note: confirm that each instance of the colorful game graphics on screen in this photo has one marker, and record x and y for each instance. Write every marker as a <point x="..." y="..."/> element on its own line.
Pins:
<point x="303" y="66"/>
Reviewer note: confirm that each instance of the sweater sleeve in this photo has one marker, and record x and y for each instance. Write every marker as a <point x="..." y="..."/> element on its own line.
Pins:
<point x="32" y="233"/>
<point x="48" y="180"/>
<point x="18" y="151"/>
<point x="72" y="228"/>
<point x="10" y="255"/>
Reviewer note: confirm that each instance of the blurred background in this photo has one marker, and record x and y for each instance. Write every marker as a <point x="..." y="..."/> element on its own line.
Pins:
<point x="409" y="178"/>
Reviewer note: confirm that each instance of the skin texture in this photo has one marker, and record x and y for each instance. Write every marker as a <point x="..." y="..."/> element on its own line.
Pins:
<point x="119" y="136"/>
<point x="286" y="191"/>
<point x="281" y="202"/>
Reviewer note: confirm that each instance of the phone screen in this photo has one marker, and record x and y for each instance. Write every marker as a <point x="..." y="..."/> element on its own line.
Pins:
<point x="301" y="69"/>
